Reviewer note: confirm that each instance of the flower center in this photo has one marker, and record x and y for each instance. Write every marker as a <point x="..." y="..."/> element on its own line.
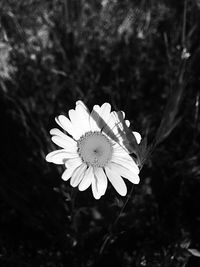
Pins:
<point x="95" y="149"/>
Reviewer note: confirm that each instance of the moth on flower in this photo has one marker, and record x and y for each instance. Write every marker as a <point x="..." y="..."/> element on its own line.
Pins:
<point x="93" y="149"/>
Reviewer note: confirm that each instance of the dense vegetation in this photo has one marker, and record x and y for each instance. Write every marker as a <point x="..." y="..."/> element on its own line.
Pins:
<point x="144" y="58"/>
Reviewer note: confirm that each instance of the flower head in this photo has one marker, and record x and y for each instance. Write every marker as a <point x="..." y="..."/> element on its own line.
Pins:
<point x="93" y="149"/>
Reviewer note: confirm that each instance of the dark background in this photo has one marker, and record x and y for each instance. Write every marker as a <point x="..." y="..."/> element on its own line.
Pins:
<point x="144" y="58"/>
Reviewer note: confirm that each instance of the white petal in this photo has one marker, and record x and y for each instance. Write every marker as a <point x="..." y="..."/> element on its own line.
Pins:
<point x="69" y="172"/>
<point x="100" y="116"/>
<point x="94" y="118"/>
<point x="114" y="126"/>
<point x="87" y="179"/>
<point x="116" y="120"/>
<point x="121" y="126"/>
<point x="73" y="162"/>
<point x="117" y="181"/>
<point x="60" y="156"/>
<point x="127" y="123"/>
<point x="65" y="143"/>
<point x="121" y="157"/>
<point x="84" y="116"/>
<point x="105" y="112"/>
<point x="125" y="160"/>
<point x="80" y="102"/>
<point x="119" y="150"/>
<point x="137" y="137"/>
<point x="76" y="122"/>
<point x="94" y="189"/>
<point x="78" y="175"/>
<point x="125" y="141"/>
<point x="99" y="184"/>
<point x="124" y="172"/>
<point x="66" y="124"/>
<point x="59" y="133"/>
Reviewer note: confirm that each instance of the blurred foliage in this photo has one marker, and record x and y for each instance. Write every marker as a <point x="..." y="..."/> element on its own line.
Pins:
<point x="144" y="58"/>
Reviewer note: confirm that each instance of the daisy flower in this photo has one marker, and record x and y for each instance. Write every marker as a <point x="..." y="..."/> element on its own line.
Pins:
<point x="93" y="150"/>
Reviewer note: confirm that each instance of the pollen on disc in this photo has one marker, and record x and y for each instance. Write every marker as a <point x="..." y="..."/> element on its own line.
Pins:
<point x="95" y="149"/>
